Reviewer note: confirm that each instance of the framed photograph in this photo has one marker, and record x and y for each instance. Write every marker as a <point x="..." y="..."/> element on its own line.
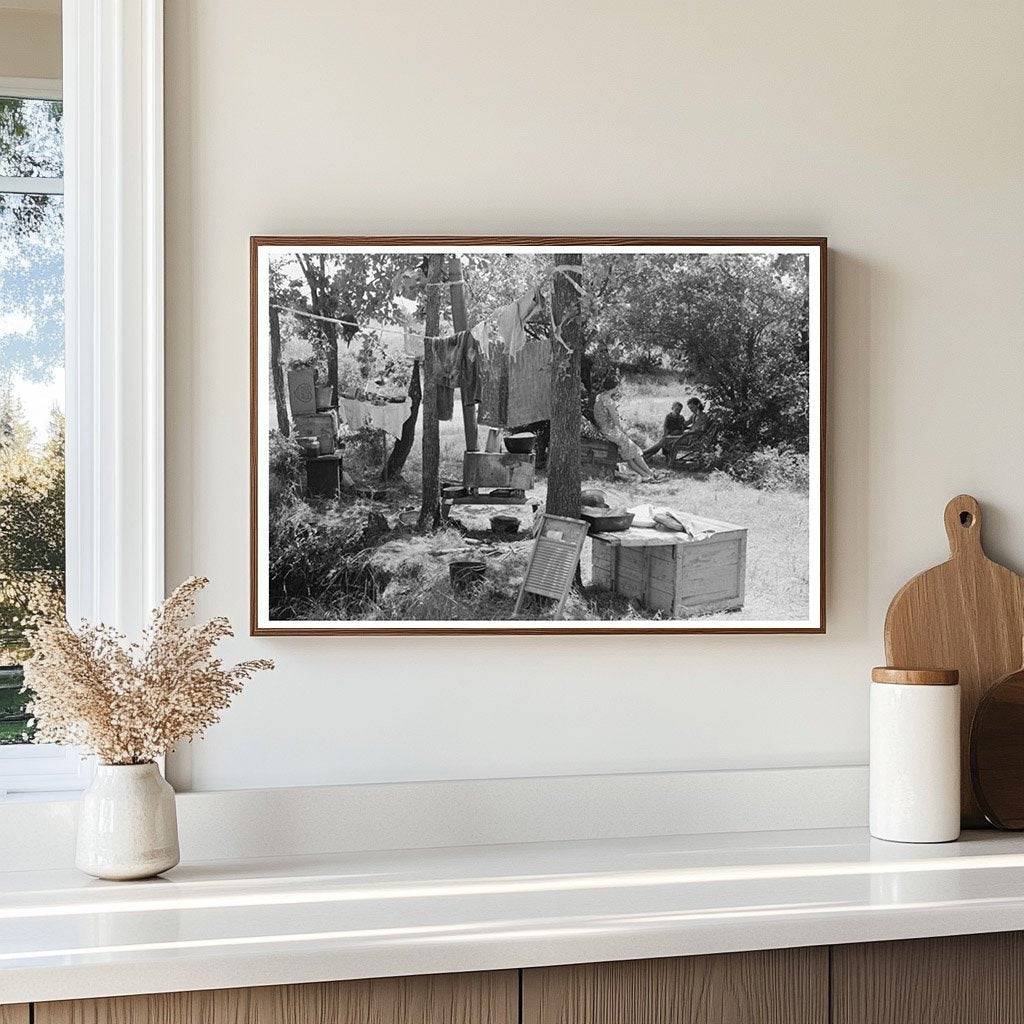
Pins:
<point x="537" y="435"/>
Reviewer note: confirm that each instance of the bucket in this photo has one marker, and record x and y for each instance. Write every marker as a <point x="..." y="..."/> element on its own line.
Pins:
<point x="466" y="574"/>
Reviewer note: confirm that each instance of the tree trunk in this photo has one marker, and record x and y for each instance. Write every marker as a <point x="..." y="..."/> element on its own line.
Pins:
<point x="277" y="371"/>
<point x="403" y="446"/>
<point x="323" y="305"/>
<point x="458" y="290"/>
<point x="430" y="509"/>
<point x="566" y="352"/>
<point x="332" y="357"/>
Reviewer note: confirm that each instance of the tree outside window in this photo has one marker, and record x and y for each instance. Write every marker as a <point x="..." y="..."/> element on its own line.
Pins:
<point x="31" y="386"/>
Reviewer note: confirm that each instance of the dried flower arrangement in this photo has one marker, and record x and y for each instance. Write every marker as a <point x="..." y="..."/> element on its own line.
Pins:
<point x="129" y="703"/>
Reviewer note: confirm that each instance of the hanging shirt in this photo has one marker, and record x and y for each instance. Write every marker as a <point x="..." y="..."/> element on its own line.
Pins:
<point x="455" y="367"/>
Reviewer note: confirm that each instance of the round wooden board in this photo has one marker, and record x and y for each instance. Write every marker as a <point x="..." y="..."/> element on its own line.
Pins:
<point x="997" y="753"/>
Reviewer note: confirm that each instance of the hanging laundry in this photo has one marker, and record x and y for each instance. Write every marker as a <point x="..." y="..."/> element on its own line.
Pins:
<point x="391" y="416"/>
<point x="456" y="367"/>
<point x="512" y="321"/>
<point x="358" y="413"/>
<point x="482" y="334"/>
<point x="353" y="412"/>
<point x="446" y="374"/>
<point x="515" y="373"/>
<point x="412" y="343"/>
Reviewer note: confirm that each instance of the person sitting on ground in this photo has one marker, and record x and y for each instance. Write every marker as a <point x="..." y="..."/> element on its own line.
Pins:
<point x="675" y="426"/>
<point x="699" y="419"/>
<point x="609" y="422"/>
<point x="691" y="450"/>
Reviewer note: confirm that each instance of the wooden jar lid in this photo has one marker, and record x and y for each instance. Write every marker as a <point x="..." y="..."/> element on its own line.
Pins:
<point x="916" y="676"/>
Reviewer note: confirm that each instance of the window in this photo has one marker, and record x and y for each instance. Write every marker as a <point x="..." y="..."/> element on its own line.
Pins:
<point x="91" y="170"/>
<point x="32" y="513"/>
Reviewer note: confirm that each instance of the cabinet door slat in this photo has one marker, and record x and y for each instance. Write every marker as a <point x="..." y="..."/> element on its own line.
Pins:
<point x="478" y="998"/>
<point x="776" y="986"/>
<point x="959" y="979"/>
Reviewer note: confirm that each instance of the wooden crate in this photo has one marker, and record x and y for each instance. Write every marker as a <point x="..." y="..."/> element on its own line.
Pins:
<point x="321" y="425"/>
<point x="598" y="458"/>
<point x="302" y="391"/>
<point x="663" y="572"/>
<point x="323" y="476"/>
<point x="497" y="469"/>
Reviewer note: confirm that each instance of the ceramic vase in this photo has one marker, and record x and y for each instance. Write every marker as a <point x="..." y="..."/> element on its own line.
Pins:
<point x="127" y="825"/>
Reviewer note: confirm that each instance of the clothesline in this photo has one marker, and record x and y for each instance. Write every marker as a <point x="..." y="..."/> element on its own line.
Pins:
<point x="569" y="272"/>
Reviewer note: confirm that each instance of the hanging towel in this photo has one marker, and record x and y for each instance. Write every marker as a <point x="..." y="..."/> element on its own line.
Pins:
<point x="412" y="342"/>
<point x="390" y="417"/>
<point x="353" y="412"/>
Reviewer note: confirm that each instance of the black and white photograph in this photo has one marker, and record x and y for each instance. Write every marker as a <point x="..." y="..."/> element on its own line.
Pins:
<point x="571" y="435"/>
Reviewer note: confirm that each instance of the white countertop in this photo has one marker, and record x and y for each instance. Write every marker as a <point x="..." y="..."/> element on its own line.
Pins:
<point x="262" y="922"/>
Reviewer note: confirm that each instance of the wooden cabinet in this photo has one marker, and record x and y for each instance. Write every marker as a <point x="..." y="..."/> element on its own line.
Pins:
<point x="778" y="986"/>
<point x="962" y="979"/>
<point x="971" y="979"/>
<point x="490" y="998"/>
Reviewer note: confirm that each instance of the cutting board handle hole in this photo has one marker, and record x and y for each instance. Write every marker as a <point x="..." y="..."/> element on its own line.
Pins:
<point x="966" y="519"/>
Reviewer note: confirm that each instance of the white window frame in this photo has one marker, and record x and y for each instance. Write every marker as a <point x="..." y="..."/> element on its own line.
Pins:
<point x="114" y="331"/>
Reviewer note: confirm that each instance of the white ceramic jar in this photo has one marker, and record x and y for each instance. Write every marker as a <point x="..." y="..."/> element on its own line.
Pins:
<point x="915" y="755"/>
<point x="127" y="824"/>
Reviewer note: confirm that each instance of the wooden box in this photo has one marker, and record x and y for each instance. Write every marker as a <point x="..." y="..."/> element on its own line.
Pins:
<point x="323" y="476"/>
<point x="497" y="469"/>
<point x="302" y="391"/>
<point x="598" y="458"/>
<point x="321" y="425"/>
<point x="665" y="572"/>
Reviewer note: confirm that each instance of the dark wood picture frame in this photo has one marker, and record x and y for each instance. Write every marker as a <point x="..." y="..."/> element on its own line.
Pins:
<point x="571" y="628"/>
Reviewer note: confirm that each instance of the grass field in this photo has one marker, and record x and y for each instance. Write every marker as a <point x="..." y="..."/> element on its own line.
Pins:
<point x="777" y="521"/>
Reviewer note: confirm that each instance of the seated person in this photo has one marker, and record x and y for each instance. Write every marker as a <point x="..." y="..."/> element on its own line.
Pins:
<point x="700" y="435"/>
<point x="699" y="420"/>
<point x="675" y="426"/>
<point x="609" y="422"/>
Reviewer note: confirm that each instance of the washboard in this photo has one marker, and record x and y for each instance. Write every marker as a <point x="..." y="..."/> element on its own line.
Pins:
<point x="553" y="560"/>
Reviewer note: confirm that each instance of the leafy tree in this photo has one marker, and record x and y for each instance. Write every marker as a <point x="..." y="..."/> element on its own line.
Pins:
<point x="31" y="524"/>
<point x="31" y="243"/>
<point x="735" y="324"/>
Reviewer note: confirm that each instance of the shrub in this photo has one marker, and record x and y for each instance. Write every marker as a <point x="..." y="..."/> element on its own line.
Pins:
<point x="771" y="469"/>
<point x="286" y="467"/>
<point x="319" y="554"/>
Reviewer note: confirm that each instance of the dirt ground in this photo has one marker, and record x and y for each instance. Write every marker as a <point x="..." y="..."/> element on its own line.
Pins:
<point x="777" y="521"/>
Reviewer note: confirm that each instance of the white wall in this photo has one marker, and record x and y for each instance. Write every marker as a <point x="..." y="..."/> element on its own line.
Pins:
<point x="30" y="39"/>
<point x="895" y="129"/>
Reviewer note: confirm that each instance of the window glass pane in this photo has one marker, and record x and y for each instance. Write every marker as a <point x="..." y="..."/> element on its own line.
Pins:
<point x="31" y="138"/>
<point x="31" y="432"/>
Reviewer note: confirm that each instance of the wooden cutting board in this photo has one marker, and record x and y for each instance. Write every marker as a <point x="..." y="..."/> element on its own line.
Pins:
<point x="967" y="614"/>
